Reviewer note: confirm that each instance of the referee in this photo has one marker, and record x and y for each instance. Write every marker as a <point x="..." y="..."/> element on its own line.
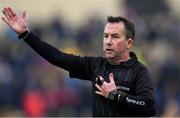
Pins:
<point x="121" y="85"/>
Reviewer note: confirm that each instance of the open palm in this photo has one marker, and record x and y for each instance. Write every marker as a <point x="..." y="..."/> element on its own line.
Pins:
<point x="16" y="23"/>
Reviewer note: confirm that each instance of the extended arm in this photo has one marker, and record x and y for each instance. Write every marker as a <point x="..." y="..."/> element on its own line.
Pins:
<point x="77" y="66"/>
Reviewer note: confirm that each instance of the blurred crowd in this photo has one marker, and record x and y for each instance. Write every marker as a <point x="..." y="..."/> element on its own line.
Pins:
<point x="30" y="86"/>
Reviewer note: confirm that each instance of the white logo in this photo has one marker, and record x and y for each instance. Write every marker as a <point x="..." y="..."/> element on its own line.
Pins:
<point x="135" y="102"/>
<point x="123" y="88"/>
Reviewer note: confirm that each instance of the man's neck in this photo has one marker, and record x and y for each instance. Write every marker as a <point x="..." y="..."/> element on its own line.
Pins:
<point x="124" y="58"/>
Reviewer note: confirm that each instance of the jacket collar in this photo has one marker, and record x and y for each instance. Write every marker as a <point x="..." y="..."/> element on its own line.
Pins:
<point x="128" y="63"/>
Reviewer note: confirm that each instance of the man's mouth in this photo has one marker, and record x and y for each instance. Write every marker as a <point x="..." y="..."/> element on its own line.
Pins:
<point x="108" y="50"/>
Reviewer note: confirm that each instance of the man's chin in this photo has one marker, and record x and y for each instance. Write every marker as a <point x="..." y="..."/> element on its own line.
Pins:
<point x="109" y="57"/>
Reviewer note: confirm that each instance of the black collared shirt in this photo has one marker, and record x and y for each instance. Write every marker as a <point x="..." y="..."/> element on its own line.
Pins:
<point x="130" y="77"/>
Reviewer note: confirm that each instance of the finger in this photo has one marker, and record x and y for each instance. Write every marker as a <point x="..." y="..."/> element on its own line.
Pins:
<point x="12" y="12"/>
<point x="98" y="87"/>
<point x="24" y="14"/>
<point x="9" y="13"/>
<point x="5" y="14"/>
<point x="102" y="79"/>
<point x="99" y="93"/>
<point x="5" y="20"/>
<point x="111" y="77"/>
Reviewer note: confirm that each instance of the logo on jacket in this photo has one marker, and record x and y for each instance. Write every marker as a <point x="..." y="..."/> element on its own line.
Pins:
<point x="135" y="102"/>
<point x="123" y="88"/>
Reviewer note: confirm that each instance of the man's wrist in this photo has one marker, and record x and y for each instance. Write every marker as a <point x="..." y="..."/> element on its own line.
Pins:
<point x="116" y="95"/>
<point x="24" y="34"/>
<point x="112" y="94"/>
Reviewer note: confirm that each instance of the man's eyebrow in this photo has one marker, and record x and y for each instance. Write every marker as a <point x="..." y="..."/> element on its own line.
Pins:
<point x="111" y="34"/>
<point x="115" y="34"/>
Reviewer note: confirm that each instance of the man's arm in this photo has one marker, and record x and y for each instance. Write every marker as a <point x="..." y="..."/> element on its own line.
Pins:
<point x="78" y="67"/>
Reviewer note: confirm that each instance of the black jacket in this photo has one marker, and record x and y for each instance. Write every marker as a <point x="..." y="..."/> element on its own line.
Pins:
<point x="131" y="77"/>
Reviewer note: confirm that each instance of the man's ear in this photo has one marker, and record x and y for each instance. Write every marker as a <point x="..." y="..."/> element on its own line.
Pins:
<point x="129" y="43"/>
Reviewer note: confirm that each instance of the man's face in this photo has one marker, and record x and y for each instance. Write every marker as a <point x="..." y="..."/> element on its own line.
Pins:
<point x="115" y="43"/>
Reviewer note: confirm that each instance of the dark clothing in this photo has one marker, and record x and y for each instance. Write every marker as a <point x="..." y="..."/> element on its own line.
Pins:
<point x="130" y="77"/>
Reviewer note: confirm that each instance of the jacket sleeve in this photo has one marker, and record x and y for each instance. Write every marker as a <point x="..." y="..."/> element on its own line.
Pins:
<point x="143" y="102"/>
<point x="78" y="67"/>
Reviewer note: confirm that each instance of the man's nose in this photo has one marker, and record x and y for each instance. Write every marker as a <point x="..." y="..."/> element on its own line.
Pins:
<point x="109" y="40"/>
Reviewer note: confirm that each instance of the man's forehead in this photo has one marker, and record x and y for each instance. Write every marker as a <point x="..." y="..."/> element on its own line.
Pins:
<point x="114" y="27"/>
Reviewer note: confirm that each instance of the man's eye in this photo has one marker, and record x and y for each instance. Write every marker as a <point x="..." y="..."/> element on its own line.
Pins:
<point x="106" y="36"/>
<point x="115" y="36"/>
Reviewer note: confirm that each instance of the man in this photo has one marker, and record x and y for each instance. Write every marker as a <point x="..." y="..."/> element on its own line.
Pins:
<point x="121" y="85"/>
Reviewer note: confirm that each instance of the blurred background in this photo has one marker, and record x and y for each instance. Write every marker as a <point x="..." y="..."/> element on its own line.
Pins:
<point x="30" y="86"/>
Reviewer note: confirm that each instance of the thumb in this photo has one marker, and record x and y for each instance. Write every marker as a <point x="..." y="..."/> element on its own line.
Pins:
<point x="24" y="14"/>
<point x="111" y="77"/>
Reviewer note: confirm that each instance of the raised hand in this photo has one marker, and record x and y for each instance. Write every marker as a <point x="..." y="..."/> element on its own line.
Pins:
<point x="16" y="23"/>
